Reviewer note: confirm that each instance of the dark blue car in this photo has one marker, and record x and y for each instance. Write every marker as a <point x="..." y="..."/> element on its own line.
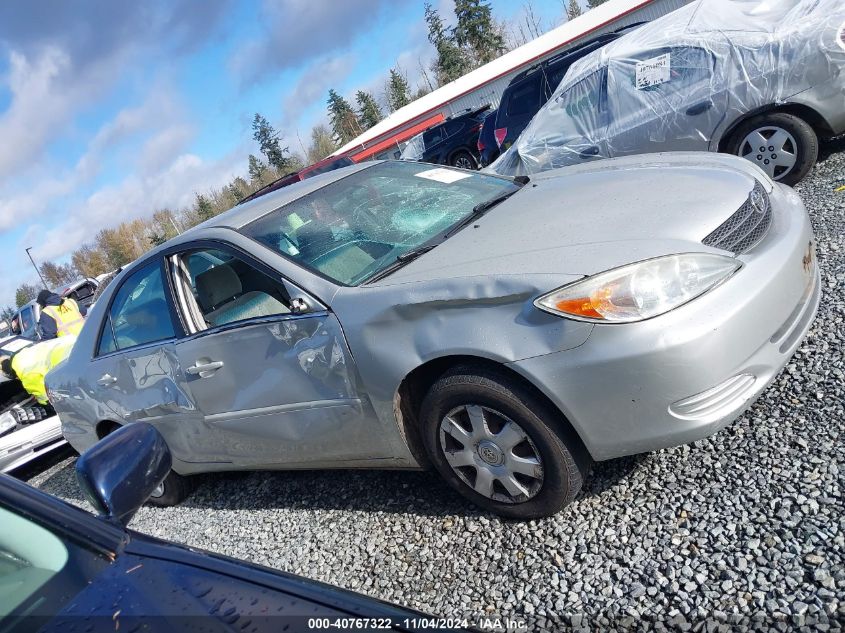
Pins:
<point x="62" y="569"/>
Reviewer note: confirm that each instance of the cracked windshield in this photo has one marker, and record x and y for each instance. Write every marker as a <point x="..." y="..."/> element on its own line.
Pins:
<point x="351" y="229"/>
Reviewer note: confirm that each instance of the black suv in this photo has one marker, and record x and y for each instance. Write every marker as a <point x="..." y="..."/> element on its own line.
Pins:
<point x="453" y="142"/>
<point x="530" y="89"/>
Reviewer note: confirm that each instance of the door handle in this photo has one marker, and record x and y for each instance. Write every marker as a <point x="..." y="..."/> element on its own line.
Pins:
<point x="698" y="108"/>
<point x="106" y="380"/>
<point x="204" y="369"/>
<point x="593" y="150"/>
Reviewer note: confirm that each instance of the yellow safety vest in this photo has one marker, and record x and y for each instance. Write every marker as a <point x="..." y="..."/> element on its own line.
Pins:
<point x="68" y="318"/>
<point x="32" y="363"/>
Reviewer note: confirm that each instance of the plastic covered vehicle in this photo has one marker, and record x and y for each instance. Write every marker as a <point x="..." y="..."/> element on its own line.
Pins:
<point x="759" y="79"/>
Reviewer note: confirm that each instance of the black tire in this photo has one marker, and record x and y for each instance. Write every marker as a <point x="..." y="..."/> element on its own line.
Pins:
<point x="564" y="462"/>
<point x="806" y="148"/>
<point x="176" y="489"/>
<point x="463" y="160"/>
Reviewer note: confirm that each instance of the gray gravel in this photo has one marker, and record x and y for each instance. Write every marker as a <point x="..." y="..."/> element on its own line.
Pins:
<point x="744" y="528"/>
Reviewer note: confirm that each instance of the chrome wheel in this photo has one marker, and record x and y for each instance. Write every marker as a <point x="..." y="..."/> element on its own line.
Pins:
<point x="491" y="453"/>
<point x="464" y="162"/>
<point x="773" y="149"/>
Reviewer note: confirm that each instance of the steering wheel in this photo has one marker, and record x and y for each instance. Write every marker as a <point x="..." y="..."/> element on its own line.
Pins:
<point x="363" y="211"/>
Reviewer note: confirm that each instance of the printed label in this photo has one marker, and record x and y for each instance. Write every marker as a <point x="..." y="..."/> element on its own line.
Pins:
<point x="442" y="175"/>
<point x="653" y="72"/>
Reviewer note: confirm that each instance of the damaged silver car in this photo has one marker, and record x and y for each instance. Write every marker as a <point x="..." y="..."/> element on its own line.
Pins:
<point x="758" y="79"/>
<point x="506" y="332"/>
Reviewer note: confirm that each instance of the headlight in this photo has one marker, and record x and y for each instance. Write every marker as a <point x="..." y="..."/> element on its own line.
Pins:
<point x="640" y="291"/>
<point x="7" y="422"/>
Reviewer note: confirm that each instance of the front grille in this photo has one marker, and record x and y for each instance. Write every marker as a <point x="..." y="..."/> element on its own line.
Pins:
<point x="745" y="228"/>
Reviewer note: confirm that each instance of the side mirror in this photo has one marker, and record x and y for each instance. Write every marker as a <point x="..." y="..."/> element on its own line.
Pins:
<point x="120" y="472"/>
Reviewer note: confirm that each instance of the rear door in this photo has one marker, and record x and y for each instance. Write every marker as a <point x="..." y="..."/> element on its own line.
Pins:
<point x="267" y="366"/>
<point x="134" y="375"/>
<point x="664" y="100"/>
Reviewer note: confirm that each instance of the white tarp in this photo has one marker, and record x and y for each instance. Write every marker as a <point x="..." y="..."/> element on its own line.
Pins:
<point x="678" y="82"/>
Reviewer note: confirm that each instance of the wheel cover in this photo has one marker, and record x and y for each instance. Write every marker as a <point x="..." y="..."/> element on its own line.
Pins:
<point x="772" y="149"/>
<point x="463" y="162"/>
<point x="491" y="453"/>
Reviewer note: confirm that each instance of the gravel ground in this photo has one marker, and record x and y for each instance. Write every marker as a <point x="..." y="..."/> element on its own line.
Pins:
<point x="744" y="528"/>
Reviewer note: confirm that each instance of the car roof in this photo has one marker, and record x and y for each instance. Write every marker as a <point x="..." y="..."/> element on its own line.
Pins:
<point x="242" y="214"/>
<point x="576" y="51"/>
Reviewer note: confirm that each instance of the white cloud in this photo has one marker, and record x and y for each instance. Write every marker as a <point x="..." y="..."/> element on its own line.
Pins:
<point x="297" y="31"/>
<point x="34" y="110"/>
<point x="137" y="196"/>
<point x="313" y="85"/>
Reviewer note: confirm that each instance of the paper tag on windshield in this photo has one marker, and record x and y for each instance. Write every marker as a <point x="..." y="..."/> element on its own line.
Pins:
<point x="442" y="175"/>
<point x="653" y="72"/>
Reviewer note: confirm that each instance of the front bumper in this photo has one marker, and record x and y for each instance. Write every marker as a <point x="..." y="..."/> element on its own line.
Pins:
<point x="686" y="374"/>
<point x="29" y="443"/>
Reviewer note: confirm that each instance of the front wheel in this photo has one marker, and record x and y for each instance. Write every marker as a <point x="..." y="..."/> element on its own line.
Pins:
<point x="500" y="445"/>
<point x="172" y="491"/>
<point x="782" y="145"/>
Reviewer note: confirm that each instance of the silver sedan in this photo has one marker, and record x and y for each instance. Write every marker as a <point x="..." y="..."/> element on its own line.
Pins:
<point x="506" y="332"/>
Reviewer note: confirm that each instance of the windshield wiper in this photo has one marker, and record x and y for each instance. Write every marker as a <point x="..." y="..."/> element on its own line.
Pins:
<point x="405" y="258"/>
<point x="483" y="207"/>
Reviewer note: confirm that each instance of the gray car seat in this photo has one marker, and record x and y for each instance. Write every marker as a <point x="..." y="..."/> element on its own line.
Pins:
<point x="221" y="296"/>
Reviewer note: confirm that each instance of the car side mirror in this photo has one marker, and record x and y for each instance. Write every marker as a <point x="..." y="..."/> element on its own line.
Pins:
<point x="120" y="472"/>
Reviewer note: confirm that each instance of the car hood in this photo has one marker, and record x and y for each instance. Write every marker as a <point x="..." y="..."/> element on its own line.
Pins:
<point x="590" y="218"/>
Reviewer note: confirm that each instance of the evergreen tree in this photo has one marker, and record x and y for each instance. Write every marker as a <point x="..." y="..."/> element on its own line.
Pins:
<point x="256" y="168"/>
<point x="398" y="90"/>
<point x="476" y="31"/>
<point x="369" y="112"/>
<point x="594" y="3"/>
<point x="238" y="189"/>
<point x="268" y="142"/>
<point x="203" y="208"/>
<point x="452" y="62"/>
<point x="573" y="10"/>
<point x="344" y="121"/>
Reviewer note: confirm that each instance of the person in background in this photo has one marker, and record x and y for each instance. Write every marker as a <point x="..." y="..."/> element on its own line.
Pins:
<point x="59" y="317"/>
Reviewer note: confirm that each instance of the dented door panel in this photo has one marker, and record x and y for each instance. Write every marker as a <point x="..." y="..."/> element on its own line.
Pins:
<point x="282" y="390"/>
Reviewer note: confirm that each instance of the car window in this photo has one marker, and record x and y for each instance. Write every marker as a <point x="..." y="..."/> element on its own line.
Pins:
<point x="351" y="229"/>
<point x="585" y="103"/>
<point x="453" y="127"/>
<point x="524" y="98"/>
<point x="228" y="291"/>
<point x="656" y="83"/>
<point x="433" y="136"/>
<point x="82" y="293"/>
<point x="139" y="312"/>
<point x="40" y="571"/>
<point x="27" y="319"/>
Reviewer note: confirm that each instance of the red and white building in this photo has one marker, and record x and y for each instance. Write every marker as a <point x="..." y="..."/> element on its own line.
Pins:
<point x="486" y="84"/>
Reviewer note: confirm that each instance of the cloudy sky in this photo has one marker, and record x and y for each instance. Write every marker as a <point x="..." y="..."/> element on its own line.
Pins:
<point x="110" y="110"/>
